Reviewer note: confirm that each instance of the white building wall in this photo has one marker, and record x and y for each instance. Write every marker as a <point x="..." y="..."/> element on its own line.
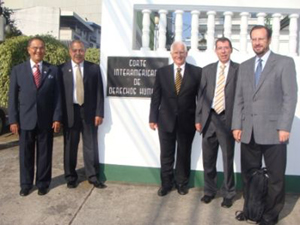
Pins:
<point x="125" y="137"/>
<point x="90" y="9"/>
<point x="44" y="21"/>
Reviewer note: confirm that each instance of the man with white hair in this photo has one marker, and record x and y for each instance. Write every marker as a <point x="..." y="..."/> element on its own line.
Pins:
<point x="172" y="112"/>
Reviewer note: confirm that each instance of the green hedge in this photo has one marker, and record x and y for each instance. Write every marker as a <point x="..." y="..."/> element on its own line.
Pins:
<point x="13" y="51"/>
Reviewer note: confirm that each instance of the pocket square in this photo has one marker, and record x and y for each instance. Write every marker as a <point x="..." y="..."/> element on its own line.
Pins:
<point x="50" y="76"/>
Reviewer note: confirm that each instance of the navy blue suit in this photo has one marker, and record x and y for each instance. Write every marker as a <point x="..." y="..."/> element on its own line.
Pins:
<point x="35" y="110"/>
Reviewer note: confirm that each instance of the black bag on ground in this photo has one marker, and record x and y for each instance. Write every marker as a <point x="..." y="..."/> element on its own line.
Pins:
<point x="255" y="196"/>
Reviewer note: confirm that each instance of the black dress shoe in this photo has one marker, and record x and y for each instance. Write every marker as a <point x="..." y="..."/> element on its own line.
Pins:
<point x="24" y="191"/>
<point x="182" y="190"/>
<point x="98" y="184"/>
<point x="207" y="199"/>
<point x="240" y="216"/>
<point x="42" y="191"/>
<point x="72" y="184"/>
<point x="227" y="203"/>
<point x="162" y="191"/>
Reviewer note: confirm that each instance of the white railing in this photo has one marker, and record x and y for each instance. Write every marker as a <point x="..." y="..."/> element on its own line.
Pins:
<point x="234" y="25"/>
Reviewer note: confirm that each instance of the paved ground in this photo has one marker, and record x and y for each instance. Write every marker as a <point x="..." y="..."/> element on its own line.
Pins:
<point x="119" y="204"/>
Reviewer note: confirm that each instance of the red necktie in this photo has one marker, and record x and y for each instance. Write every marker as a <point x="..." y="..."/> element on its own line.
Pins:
<point x="37" y="75"/>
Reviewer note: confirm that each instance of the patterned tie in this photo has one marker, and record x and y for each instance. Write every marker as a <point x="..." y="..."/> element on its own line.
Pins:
<point x="258" y="71"/>
<point x="178" y="80"/>
<point x="37" y="75"/>
<point x="79" y="86"/>
<point x="219" y="100"/>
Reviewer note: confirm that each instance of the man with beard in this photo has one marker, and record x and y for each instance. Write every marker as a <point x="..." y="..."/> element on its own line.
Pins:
<point x="264" y="107"/>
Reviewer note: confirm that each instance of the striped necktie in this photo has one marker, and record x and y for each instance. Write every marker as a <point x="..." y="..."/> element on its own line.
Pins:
<point x="37" y="75"/>
<point x="178" y="80"/>
<point x="219" y="100"/>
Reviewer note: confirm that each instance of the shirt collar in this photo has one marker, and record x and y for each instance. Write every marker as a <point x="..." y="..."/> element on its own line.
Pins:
<point x="74" y="64"/>
<point x="264" y="57"/>
<point x="32" y="64"/>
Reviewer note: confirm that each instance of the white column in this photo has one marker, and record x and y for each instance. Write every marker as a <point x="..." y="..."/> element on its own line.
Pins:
<point x="210" y="38"/>
<point x="293" y="28"/>
<point x="146" y="29"/>
<point x="244" y="31"/>
<point x="178" y="25"/>
<point x="194" y="30"/>
<point x="275" y="32"/>
<point x="162" y="38"/>
<point x="261" y="18"/>
<point x="228" y="24"/>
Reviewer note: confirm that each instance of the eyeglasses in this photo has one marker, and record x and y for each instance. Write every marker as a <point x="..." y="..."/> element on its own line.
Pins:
<point x="258" y="39"/>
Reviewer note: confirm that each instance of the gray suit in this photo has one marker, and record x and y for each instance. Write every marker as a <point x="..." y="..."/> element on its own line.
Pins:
<point x="216" y="129"/>
<point x="260" y="112"/>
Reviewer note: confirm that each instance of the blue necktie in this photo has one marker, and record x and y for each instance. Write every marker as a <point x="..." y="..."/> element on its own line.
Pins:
<point x="258" y="71"/>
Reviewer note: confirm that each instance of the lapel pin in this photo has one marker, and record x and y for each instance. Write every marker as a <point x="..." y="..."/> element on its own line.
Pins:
<point x="70" y="70"/>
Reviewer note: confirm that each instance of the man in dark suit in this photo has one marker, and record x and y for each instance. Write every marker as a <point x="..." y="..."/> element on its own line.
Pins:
<point x="83" y="112"/>
<point x="264" y="108"/>
<point x="172" y="112"/>
<point x="213" y="120"/>
<point x="34" y="113"/>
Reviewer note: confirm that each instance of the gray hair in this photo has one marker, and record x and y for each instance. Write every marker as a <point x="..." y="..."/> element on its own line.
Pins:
<point x="178" y="43"/>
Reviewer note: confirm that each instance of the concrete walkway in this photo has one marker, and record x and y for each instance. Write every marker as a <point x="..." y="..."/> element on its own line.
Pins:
<point x="118" y="204"/>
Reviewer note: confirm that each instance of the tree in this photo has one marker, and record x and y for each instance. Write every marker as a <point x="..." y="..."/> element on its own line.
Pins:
<point x="11" y="29"/>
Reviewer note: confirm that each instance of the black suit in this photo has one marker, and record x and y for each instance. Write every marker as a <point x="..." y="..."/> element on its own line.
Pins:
<point x="175" y="116"/>
<point x="216" y="129"/>
<point x="79" y="119"/>
<point x="35" y="110"/>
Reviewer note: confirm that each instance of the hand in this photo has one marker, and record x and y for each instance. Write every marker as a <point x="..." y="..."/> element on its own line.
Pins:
<point x="153" y="126"/>
<point x="56" y="126"/>
<point x="198" y="126"/>
<point x="98" y="121"/>
<point x="14" y="128"/>
<point x="283" y="135"/>
<point x="237" y="135"/>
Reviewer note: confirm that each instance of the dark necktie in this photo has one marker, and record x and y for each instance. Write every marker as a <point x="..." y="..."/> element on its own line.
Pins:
<point x="37" y="75"/>
<point x="178" y="80"/>
<point x="258" y="71"/>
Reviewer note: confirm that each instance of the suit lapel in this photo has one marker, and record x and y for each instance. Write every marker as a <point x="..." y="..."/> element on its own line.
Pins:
<point x="212" y="79"/>
<point x="85" y="72"/>
<point x="170" y="78"/>
<point x="44" y="73"/>
<point x="230" y="75"/>
<point x="29" y="74"/>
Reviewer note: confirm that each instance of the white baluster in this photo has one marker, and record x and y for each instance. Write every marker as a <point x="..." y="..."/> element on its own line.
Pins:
<point x="244" y="31"/>
<point x="146" y="29"/>
<point x="178" y="25"/>
<point x="261" y="18"/>
<point x="195" y="30"/>
<point x="275" y="32"/>
<point x="162" y="38"/>
<point x="228" y="24"/>
<point x="210" y="40"/>
<point x="293" y="29"/>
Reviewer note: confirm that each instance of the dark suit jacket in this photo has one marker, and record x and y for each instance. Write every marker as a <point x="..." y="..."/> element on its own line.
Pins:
<point x="30" y="106"/>
<point x="167" y="107"/>
<point x="93" y="92"/>
<point x="207" y="91"/>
